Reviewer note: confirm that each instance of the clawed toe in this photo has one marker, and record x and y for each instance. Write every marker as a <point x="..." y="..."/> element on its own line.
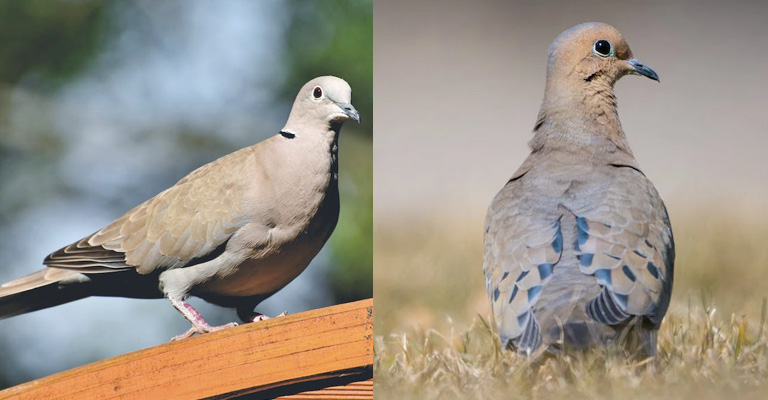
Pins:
<point x="199" y="326"/>
<point x="261" y="317"/>
<point x="188" y="333"/>
<point x="202" y="329"/>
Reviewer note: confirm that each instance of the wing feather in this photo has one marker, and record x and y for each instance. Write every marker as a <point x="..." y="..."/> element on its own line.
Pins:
<point x="627" y="245"/>
<point x="520" y="254"/>
<point x="186" y="221"/>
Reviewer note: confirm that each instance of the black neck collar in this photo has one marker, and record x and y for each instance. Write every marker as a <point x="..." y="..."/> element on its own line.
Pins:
<point x="287" y="135"/>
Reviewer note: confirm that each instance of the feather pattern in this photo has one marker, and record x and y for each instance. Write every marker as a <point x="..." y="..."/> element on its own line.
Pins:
<point x="578" y="243"/>
<point x="184" y="222"/>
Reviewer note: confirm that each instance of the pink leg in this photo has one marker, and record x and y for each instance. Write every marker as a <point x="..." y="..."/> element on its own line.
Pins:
<point x="198" y="323"/>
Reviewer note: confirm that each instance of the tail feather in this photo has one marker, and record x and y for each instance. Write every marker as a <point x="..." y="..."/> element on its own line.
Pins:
<point x="564" y="316"/>
<point x="45" y="288"/>
<point x="54" y="286"/>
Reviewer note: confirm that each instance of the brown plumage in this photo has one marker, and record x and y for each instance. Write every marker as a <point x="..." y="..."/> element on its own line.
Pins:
<point x="232" y="232"/>
<point x="578" y="243"/>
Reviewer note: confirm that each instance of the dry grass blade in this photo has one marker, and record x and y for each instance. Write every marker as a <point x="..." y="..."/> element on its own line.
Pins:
<point x="706" y="359"/>
<point x="712" y="345"/>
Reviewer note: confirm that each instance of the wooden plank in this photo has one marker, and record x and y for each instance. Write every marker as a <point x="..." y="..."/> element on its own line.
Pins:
<point x="311" y="346"/>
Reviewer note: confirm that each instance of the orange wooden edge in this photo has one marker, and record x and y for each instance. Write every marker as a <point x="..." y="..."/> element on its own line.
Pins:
<point x="312" y="350"/>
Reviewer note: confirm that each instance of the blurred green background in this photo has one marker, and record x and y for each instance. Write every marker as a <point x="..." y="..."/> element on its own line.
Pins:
<point x="104" y="104"/>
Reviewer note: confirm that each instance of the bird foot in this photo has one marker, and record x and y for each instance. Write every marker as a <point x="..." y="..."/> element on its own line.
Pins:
<point x="202" y="328"/>
<point x="261" y="317"/>
<point x="199" y="326"/>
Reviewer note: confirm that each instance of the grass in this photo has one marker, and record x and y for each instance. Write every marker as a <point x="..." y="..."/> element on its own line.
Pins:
<point x="433" y="340"/>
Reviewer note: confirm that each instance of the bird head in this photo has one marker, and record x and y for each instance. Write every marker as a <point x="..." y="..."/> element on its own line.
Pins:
<point x="593" y="54"/>
<point x="323" y="101"/>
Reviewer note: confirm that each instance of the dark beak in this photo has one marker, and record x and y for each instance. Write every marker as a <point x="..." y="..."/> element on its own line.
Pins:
<point x="640" y="69"/>
<point x="350" y="111"/>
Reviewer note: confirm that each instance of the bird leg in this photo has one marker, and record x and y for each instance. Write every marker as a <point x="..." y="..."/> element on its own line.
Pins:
<point x="198" y="323"/>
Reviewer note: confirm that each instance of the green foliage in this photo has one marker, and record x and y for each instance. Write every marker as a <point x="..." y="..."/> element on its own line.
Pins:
<point x="45" y="44"/>
<point x="352" y="273"/>
<point x="333" y="38"/>
<point x="336" y="38"/>
<point x="48" y="41"/>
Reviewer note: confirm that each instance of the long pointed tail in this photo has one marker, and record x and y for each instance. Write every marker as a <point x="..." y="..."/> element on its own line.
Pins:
<point x="42" y="289"/>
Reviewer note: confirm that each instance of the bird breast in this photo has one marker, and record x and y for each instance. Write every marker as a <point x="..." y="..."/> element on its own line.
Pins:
<point x="292" y="214"/>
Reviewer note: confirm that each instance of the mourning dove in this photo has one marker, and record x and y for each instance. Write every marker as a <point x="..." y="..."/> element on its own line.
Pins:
<point x="578" y="244"/>
<point x="232" y="232"/>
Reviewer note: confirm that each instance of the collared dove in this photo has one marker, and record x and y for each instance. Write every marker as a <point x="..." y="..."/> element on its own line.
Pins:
<point x="232" y="232"/>
<point x="578" y="244"/>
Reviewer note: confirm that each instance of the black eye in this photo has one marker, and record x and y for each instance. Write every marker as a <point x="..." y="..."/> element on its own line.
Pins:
<point x="317" y="92"/>
<point x="603" y="48"/>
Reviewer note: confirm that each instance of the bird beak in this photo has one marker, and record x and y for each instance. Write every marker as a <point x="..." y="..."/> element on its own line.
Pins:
<point x="639" y="69"/>
<point x="349" y="111"/>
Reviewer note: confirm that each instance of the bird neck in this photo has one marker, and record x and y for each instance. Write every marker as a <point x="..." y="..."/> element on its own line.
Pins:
<point x="334" y="143"/>
<point x="328" y="138"/>
<point x="579" y="117"/>
<point x="320" y="131"/>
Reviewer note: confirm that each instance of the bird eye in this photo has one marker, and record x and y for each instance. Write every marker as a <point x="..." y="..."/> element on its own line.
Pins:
<point x="317" y="92"/>
<point x="603" y="48"/>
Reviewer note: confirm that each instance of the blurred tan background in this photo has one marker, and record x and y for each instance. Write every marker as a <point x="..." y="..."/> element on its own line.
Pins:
<point x="458" y="85"/>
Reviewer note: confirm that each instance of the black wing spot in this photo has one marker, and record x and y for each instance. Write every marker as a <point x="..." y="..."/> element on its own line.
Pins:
<point x="522" y="275"/>
<point x="653" y="269"/>
<point x="514" y="178"/>
<point x="514" y="293"/>
<point x="617" y="165"/>
<point x="628" y="273"/>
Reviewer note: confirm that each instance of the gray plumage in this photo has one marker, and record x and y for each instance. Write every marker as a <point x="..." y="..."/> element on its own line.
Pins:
<point x="578" y="244"/>
<point x="232" y="232"/>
